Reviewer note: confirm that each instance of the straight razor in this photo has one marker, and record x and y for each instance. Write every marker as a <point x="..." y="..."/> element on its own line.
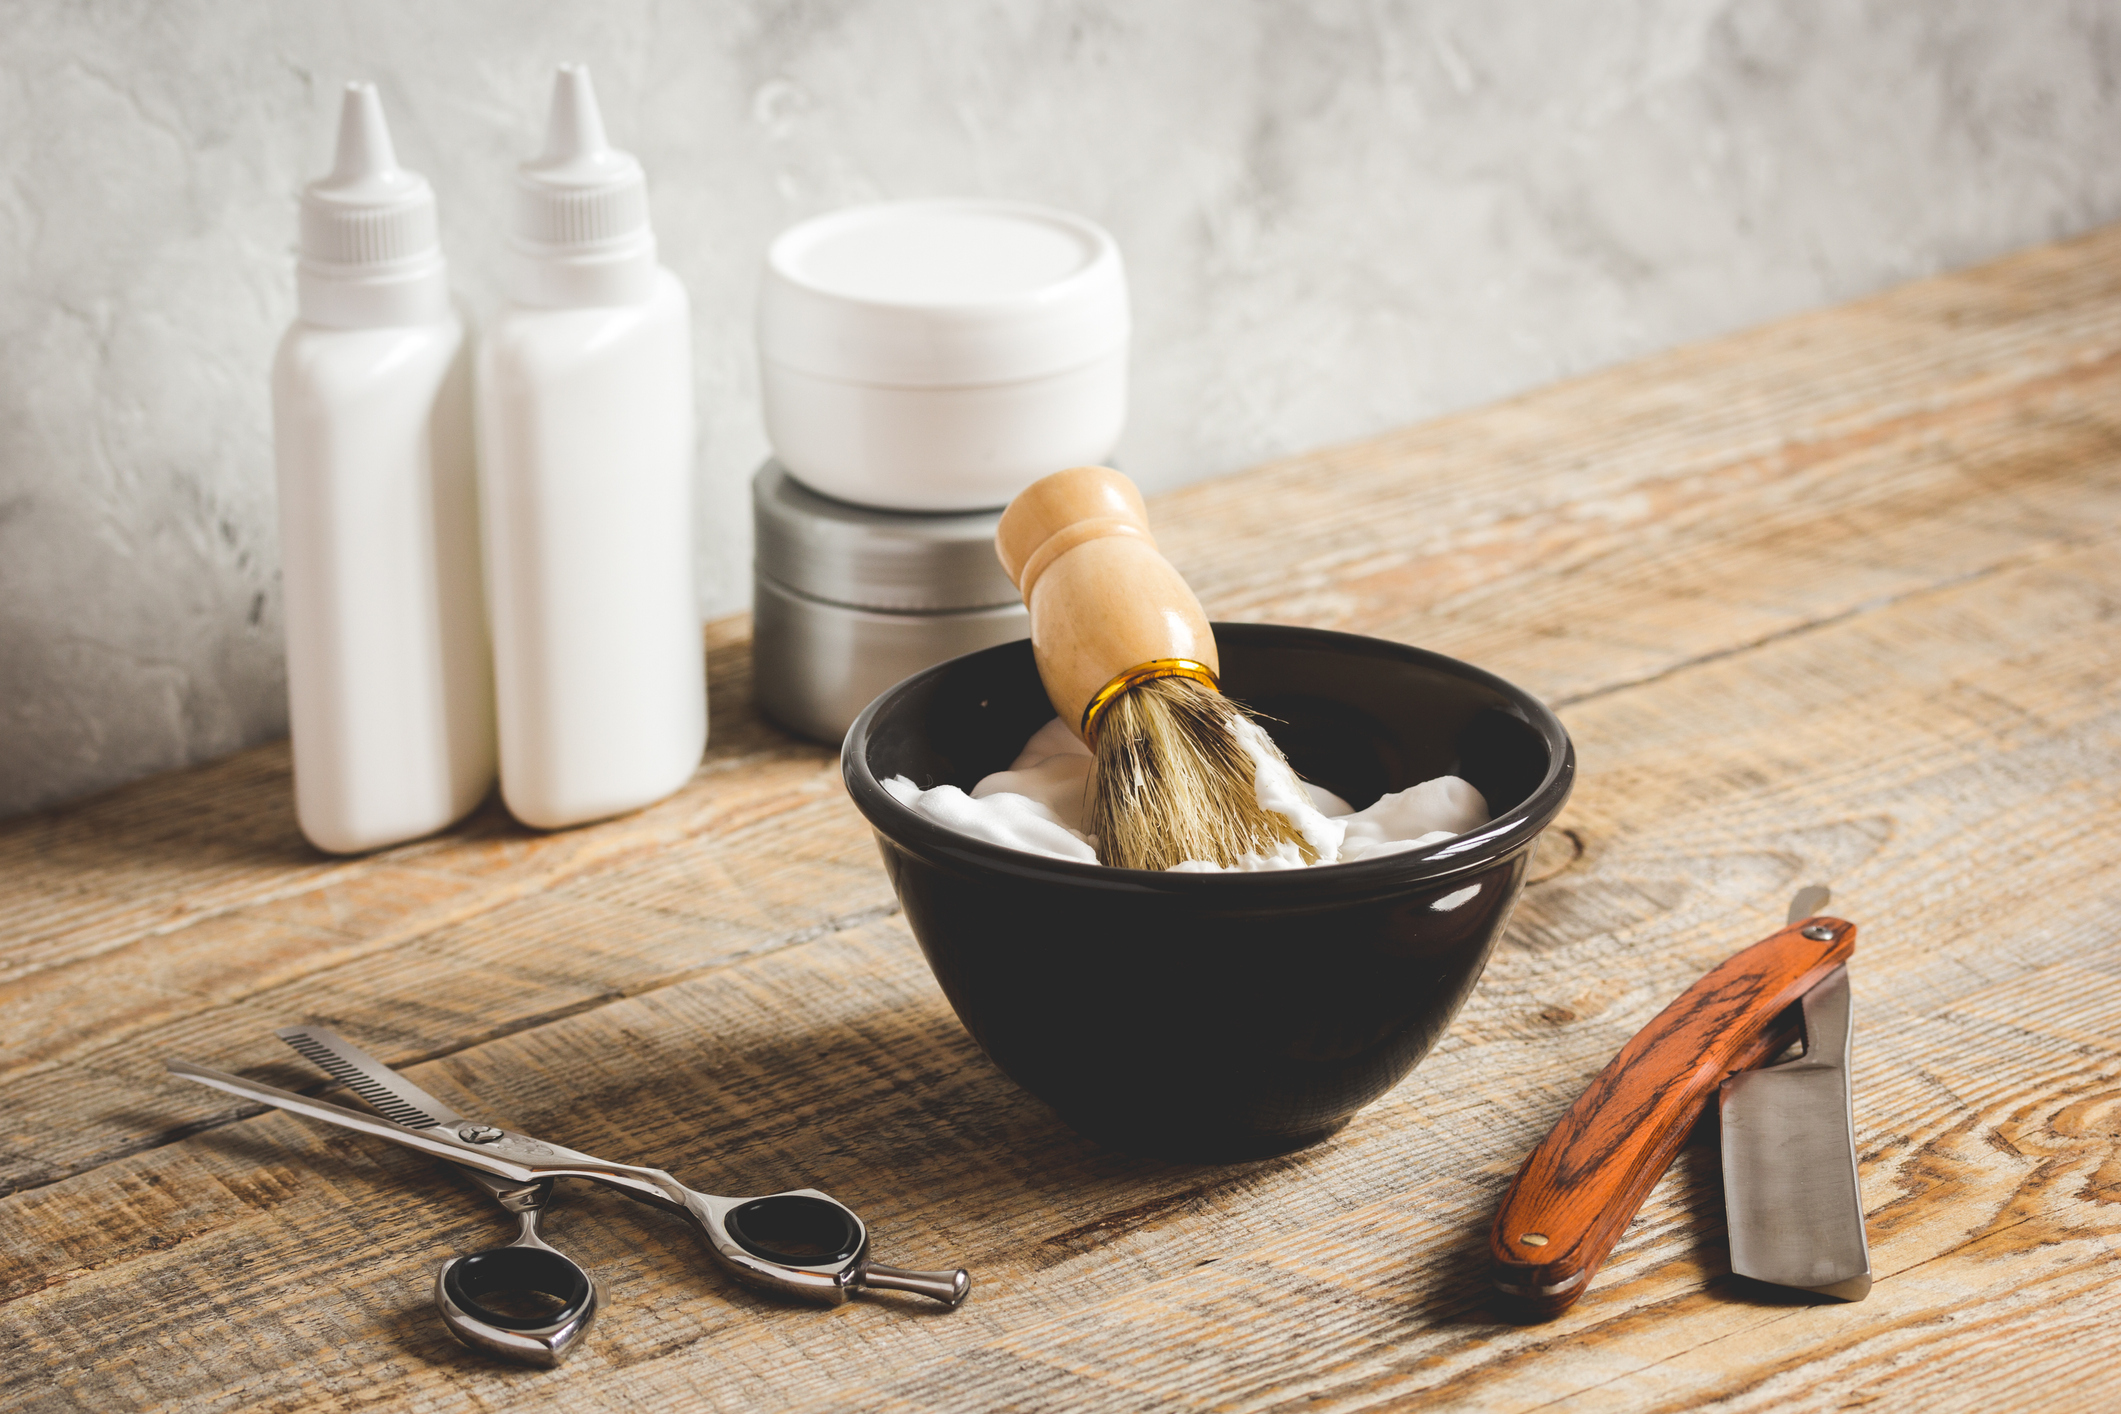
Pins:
<point x="1789" y="1158"/>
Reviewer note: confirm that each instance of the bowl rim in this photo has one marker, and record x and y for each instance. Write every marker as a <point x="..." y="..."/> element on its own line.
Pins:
<point x="1477" y="849"/>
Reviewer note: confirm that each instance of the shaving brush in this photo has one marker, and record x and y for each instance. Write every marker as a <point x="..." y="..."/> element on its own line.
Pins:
<point x="1128" y="660"/>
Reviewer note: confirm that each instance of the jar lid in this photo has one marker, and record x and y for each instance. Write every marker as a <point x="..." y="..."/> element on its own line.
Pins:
<point x="872" y="559"/>
<point x="942" y="294"/>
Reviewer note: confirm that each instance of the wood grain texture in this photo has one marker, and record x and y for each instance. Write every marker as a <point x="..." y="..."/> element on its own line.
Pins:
<point x="1580" y="1186"/>
<point x="1838" y="599"/>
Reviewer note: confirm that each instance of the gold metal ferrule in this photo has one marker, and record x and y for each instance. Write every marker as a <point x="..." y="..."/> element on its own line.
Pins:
<point x="1143" y="672"/>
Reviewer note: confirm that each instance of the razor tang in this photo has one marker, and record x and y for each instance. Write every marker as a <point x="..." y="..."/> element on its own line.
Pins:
<point x="1582" y="1185"/>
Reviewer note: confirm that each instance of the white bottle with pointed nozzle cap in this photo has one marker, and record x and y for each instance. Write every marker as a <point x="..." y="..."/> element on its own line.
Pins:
<point x="389" y="677"/>
<point x="585" y="461"/>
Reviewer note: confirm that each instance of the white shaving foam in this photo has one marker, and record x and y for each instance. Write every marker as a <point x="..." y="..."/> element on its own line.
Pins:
<point x="1037" y="806"/>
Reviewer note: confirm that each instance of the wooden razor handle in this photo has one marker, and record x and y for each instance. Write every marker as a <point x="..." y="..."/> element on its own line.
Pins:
<point x="1580" y="1188"/>
<point x="1102" y="599"/>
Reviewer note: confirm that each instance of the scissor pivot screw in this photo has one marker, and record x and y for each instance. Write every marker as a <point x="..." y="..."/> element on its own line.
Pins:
<point x="1817" y="932"/>
<point x="478" y="1134"/>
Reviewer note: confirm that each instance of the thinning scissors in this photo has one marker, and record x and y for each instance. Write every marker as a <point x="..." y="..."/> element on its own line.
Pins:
<point x="799" y="1243"/>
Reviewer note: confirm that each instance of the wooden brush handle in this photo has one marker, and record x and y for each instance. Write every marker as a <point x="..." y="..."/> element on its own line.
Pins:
<point x="1102" y="599"/>
<point x="1582" y="1185"/>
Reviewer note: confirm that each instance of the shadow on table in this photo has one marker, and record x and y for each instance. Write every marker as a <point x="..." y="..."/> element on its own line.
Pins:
<point x="894" y="1111"/>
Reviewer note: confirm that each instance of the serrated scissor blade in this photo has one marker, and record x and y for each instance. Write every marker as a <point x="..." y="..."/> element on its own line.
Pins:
<point x="1789" y="1160"/>
<point x="386" y="1092"/>
<point x="397" y="1099"/>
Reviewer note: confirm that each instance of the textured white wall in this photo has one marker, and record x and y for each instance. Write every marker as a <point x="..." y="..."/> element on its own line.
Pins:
<point x="1339" y="216"/>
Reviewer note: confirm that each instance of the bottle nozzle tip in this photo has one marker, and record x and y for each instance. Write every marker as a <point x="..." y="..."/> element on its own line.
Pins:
<point x="365" y="149"/>
<point x="576" y="127"/>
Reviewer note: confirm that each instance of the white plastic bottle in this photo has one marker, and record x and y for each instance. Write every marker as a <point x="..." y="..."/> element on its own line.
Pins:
<point x="389" y="677"/>
<point x="585" y="461"/>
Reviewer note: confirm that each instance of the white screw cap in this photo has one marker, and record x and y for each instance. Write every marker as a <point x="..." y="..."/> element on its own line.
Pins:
<point x="369" y="210"/>
<point x="371" y="247"/>
<point x="580" y="229"/>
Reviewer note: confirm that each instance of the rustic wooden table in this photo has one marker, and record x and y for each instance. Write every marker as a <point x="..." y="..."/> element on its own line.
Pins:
<point x="1838" y="599"/>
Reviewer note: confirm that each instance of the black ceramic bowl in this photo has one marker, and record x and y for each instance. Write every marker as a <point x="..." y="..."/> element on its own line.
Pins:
<point x="1218" y="1016"/>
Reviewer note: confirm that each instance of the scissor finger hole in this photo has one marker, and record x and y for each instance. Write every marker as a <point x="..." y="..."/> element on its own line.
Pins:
<point x="517" y="1288"/>
<point x="795" y="1231"/>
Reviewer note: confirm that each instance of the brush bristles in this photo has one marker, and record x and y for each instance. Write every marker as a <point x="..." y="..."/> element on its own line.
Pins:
<point x="1173" y="783"/>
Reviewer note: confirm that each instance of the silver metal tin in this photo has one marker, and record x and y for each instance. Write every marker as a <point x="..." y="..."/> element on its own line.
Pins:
<point x="872" y="559"/>
<point x="848" y="600"/>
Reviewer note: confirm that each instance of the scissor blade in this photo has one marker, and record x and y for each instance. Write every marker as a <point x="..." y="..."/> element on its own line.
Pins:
<point x="1789" y="1161"/>
<point x="438" y="1142"/>
<point x="394" y="1097"/>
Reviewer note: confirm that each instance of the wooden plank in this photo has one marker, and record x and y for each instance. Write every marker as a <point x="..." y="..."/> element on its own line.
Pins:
<point x="1746" y="409"/>
<point x="165" y="853"/>
<point x="2005" y="455"/>
<point x="1696" y="559"/>
<point x="1350" y="1272"/>
<point x="1835" y="599"/>
<point x="1952" y="1073"/>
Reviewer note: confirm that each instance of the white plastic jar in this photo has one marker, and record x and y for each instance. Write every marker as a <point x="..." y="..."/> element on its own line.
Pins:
<point x="942" y="355"/>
